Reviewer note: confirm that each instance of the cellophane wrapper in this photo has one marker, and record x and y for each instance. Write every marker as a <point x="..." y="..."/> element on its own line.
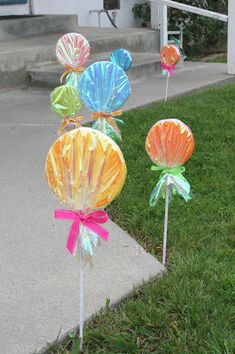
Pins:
<point x="65" y="101"/>
<point x="86" y="171"/>
<point x="170" y="143"/>
<point x="170" y="54"/>
<point x="122" y="58"/>
<point x="73" y="50"/>
<point x="103" y="126"/>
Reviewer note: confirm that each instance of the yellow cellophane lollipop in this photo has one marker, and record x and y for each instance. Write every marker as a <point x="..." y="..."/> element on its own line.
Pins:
<point x="170" y="143"/>
<point x="85" y="169"/>
<point x="170" y="55"/>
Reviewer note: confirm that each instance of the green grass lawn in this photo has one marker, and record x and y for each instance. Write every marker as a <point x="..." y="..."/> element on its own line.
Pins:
<point x="191" y="308"/>
<point x="221" y="58"/>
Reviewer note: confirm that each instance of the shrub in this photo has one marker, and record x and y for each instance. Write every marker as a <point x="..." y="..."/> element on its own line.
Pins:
<point x="142" y="11"/>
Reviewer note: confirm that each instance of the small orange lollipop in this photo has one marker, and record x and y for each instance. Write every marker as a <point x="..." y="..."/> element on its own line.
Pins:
<point x="170" y="55"/>
<point x="170" y="143"/>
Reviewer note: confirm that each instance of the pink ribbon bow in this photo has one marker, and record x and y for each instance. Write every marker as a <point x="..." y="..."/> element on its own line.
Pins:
<point x="169" y="68"/>
<point x="91" y="221"/>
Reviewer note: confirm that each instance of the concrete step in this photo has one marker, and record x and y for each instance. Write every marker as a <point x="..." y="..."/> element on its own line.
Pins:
<point x="145" y="65"/>
<point x="134" y="39"/>
<point x="11" y="29"/>
<point x="16" y="56"/>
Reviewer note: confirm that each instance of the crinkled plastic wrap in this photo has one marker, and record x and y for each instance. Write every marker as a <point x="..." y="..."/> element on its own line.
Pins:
<point x="170" y="144"/>
<point x="65" y="101"/>
<point x="72" y="79"/>
<point x="86" y="171"/>
<point x="73" y="50"/>
<point x="104" y="87"/>
<point x="103" y="126"/>
<point x="122" y="58"/>
<point x="170" y="54"/>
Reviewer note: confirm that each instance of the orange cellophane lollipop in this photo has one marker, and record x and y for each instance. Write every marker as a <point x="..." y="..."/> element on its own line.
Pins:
<point x="85" y="169"/>
<point x="170" y="143"/>
<point x="170" y="54"/>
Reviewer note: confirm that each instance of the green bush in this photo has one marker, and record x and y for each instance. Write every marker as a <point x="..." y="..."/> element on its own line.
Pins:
<point x="202" y="35"/>
<point x="142" y="11"/>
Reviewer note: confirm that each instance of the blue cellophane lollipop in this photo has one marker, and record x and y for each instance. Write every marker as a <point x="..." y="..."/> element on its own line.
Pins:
<point x="104" y="87"/>
<point x="122" y="58"/>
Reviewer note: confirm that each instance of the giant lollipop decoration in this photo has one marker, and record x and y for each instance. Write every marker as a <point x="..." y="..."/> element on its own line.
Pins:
<point x="103" y="88"/>
<point x="66" y="103"/>
<point x="86" y="171"/>
<point x="170" y="55"/>
<point x="122" y="58"/>
<point x="72" y="51"/>
<point x="169" y="144"/>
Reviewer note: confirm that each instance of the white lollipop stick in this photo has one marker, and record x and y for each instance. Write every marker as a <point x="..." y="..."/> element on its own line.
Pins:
<point x="165" y="225"/>
<point x="167" y="84"/>
<point x="81" y="301"/>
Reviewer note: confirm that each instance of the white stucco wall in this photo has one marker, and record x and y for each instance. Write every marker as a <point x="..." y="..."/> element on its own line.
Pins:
<point x="124" y="17"/>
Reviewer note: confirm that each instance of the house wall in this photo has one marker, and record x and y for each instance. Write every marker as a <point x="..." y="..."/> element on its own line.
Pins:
<point x="14" y="9"/>
<point x="124" y="16"/>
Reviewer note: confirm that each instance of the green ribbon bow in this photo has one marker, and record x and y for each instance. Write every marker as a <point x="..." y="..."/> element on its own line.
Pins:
<point x="178" y="43"/>
<point x="173" y="178"/>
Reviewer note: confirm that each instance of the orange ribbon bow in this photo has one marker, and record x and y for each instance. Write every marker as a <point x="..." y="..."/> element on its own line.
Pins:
<point x="109" y="118"/>
<point x="69" y="120"/>
<point x="69" y="71"/>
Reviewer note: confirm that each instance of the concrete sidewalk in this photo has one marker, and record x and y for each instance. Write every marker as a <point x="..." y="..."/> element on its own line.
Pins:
<point x="39" y="279"/>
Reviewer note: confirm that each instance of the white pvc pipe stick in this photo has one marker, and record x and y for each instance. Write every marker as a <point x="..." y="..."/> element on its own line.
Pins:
<point x="81" y="321"/>
<point x="167" y="84"/>
<point x="231" y="36"/>
<point x="165" y="225"/>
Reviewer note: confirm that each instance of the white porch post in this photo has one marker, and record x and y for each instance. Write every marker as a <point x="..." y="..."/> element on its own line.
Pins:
<point x="163" y="26"/>
<point x="231" y="37"/>
<point x="155" y="20"/>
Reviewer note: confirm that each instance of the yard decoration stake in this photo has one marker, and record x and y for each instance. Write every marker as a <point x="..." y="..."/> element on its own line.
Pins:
<point x="104" y="87"/>
<point x="169" y="144"/>
<point x="86" y="171"/>
<point x="170" y="55"/>
<point x="72" y="51"/>
<point x="66" y="103"/>
<point x="122" y="58"/>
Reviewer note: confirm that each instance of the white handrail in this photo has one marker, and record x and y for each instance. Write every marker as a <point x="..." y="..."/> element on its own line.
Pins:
<point x="194" y="10"/>
<point x="230" y="19"/>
